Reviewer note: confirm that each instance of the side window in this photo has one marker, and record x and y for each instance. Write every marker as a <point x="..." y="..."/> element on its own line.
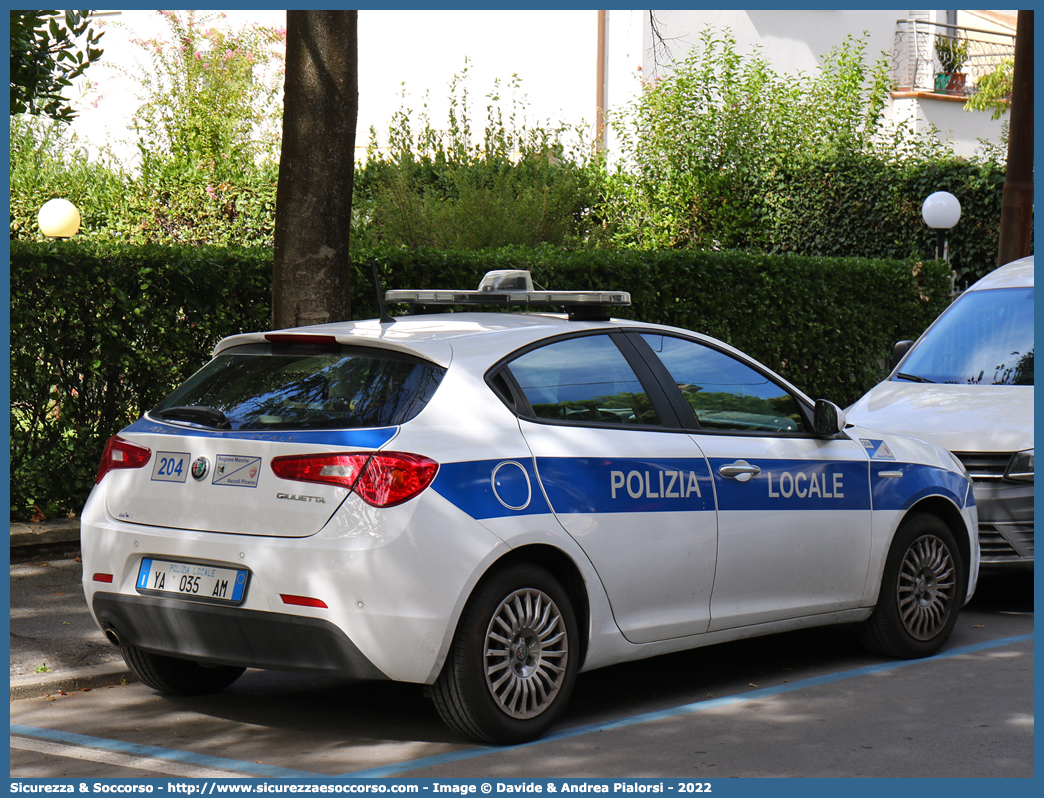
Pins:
<point x="724" y="393"/>
<point x="583" y="379"/>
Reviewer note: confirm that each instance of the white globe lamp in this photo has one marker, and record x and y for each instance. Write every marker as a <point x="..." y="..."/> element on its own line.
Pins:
<point x="941" y="211"/>
<point x="58" y="218"/>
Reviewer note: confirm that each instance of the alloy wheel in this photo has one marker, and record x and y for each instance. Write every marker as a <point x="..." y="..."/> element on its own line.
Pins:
<point x="526" y="653"/>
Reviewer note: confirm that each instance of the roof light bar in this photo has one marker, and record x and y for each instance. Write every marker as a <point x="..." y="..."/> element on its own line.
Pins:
<point x="613" y="298"/>
<point x="510" y="288"/>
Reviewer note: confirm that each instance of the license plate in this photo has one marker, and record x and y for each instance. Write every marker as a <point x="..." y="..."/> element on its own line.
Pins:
<point x="192" y="581"/>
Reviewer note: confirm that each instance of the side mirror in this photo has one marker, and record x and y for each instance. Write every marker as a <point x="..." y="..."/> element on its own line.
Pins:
<point x="899" y="352"/>
<point x="829" y="419"/>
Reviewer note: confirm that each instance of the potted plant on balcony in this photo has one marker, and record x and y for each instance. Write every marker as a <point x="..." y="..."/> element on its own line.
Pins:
<point x="952" y="53"/>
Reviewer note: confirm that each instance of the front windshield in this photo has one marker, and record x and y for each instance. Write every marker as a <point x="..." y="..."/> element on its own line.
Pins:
<point x="984" y="338"/>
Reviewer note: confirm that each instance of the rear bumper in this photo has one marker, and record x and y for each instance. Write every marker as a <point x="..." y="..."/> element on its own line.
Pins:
<point x="387" y="593"/>
<point x="231" y="636"/>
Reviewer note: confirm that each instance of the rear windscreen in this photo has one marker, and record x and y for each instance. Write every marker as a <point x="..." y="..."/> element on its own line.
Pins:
<point x="278" y="386"/>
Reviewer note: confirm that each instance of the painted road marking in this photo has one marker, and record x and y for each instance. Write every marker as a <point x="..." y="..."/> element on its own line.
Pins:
<point x="148" y="753"/>
<point x="116" y="759"/>
<point x="687" y="709"/>
<point x="152" y="752"/>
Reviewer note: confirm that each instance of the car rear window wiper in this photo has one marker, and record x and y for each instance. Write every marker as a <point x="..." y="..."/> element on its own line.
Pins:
<point x="912" y="377"/>
<point x="196" y="414"/>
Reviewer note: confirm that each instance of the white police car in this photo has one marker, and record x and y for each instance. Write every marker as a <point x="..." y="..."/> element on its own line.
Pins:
<point x="489" y="503"/>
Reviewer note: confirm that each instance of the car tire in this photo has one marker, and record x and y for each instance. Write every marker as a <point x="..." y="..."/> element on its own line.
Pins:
<point x="176" y="676"/>
<point x="513" y="662"/>
<point x="922" y="590"/>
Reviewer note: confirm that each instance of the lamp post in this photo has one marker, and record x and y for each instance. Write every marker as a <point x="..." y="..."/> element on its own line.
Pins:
<point x="58" y="218"/>
<point x="941" y="211"/>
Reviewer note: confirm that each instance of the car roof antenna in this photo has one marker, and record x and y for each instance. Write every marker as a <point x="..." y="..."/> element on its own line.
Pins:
<point x="385" y="318"/>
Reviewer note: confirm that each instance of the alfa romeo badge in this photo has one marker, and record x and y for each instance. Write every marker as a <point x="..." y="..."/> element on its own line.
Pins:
<point x="200" y="466"/>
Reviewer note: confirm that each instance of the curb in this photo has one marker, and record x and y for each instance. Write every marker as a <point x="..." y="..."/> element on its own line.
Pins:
<point x="37" y="685"/>
<point x="44" y="533"/>
<point x="45" y="539"/>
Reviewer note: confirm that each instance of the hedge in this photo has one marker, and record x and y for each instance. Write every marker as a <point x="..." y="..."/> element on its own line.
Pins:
<point x="100" y="333"/>
<point x="866" y="205"/>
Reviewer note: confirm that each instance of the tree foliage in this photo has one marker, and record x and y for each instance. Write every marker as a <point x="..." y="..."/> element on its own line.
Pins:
<point x="699" y="144"/>
<point x="725" y="153"/>
<point x="46" y="59"/>
<point x="993" y="90"/>
<point x="210" y="97"/>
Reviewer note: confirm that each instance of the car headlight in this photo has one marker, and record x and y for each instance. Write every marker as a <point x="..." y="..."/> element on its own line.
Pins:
<point x="961" y="467"/>
<point x="1020" y="468"/>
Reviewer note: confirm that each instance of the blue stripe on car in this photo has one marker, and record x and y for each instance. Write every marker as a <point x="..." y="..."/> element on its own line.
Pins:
<point x="795" y="485"/>
<point x="351" y="438"/>
<point x="916" y="483"/>
<point x="626" y="485"/>
<point x="584" y="485"/>
<point x="470" y="486"/>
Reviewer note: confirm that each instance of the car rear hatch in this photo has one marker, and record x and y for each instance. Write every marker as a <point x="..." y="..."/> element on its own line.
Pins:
<point x="232" y="450"/>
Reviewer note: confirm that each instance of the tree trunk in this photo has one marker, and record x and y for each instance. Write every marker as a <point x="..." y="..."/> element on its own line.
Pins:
<point x="311" y="275"/>
<point x="1017" y="200"/>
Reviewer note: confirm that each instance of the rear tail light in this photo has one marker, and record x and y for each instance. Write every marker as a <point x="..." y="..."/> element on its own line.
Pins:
<point x="381" y="479"/>
<point x="121" y="453"/>
<point x="393" y="478"/>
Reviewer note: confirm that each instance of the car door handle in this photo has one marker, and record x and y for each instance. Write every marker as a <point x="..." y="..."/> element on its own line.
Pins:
<point x="741" y="470"/>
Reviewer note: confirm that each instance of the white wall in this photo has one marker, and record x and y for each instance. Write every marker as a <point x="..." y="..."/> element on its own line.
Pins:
<point x="961" y="128"/>
<point x="553" y="52"/>
<point x="792" y="41"/>
<point x="625" y="53"/>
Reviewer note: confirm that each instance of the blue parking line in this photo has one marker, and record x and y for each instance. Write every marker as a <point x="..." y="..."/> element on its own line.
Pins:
<point x="267" y="771"/>
<point x="184" y="757"/>
<point x="686" y="709"/>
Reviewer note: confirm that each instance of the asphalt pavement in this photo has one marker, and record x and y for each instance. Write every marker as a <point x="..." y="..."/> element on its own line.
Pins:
<point x="55" y="645"/>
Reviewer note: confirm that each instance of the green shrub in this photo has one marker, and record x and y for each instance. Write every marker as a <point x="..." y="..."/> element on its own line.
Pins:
<point x="698" y="144"/>
<point x="721" y="154"/>
<point x="460" y="188"/>
<point x="860" y="204"/>
<point x="133" y="322"/>
<point x="724" y="153"/>
<point x="98" y="333"/>
<point x="47" y="163"/>
<point x="208" y="132"/>
<point x="211" y="98"/>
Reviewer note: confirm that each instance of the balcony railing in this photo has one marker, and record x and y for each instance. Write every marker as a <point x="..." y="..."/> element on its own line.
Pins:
<point x="915" y="62"/>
